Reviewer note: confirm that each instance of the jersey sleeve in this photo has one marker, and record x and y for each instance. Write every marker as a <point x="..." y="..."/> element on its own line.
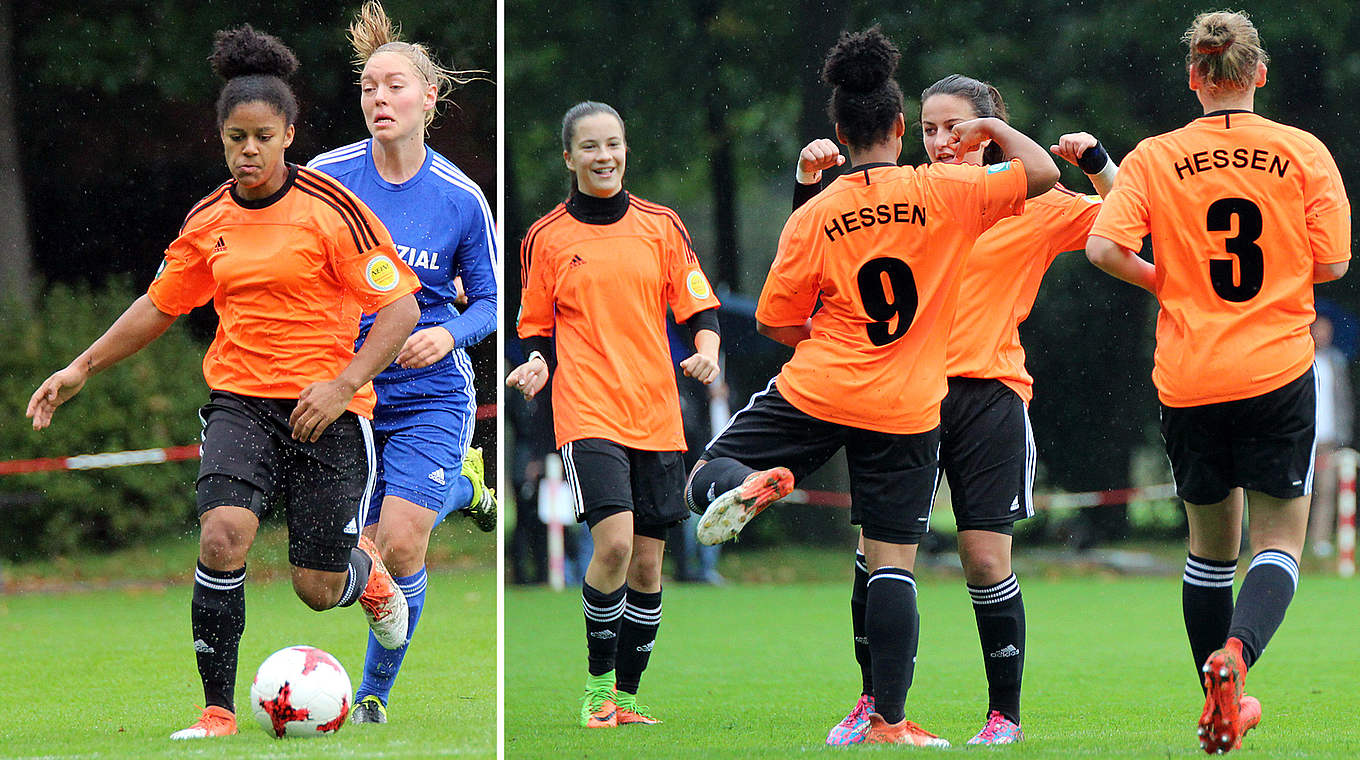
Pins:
<point x="1003" y="191"/>
<point x="364" y="257"/>
<point x="184" y="280"/>
<point x="1125" y="217"/>
<point x="979" y="196"/>
<point x="1069" y="229"/>
<point x="794" y="282"/>
<point x="540" y="287"/>
<point x="1327" y="211"/>
<point x="687" y="289"/>
<point x="475" y="262"/>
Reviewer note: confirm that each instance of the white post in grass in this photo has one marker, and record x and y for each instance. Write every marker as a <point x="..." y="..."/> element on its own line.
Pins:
<point x="553" y="500"/>
<point x="1346" y="461"/>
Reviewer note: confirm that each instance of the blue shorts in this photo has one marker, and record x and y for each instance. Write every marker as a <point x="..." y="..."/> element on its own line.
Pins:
<point x="420" y="450"/>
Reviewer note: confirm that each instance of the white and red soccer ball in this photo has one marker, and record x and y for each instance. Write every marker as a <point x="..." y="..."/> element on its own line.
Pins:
<point x="299" y="692"/>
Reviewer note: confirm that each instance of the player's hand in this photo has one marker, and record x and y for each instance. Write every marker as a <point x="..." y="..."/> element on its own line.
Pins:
<point x="967" y="136"/>
<point x="318" y="406"/>
<point x="425" y="347"/>
<point x="817" y="155"/>
<point x="701" y="367"/>
<point x="460" y="293"/>
<point x="529" y="377"/>
<point x="55" y="391"/>
<point x="1070" y="146"/>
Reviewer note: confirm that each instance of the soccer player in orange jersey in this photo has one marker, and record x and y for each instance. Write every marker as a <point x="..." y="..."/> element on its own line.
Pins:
<point x="1245" y="215"/>
<point x="290" y="259"/>
<point x="599" y="271"/>
<point x="986" y="446"/>
<point x="882" y="249"/>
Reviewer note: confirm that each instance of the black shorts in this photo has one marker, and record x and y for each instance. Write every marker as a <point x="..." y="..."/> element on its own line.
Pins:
<point x="1264" y="443"/>
<point x="607" y="478"/>
<point x="987" y="453"/>
<point x="251" y="460"/>
<point x="893" y="476"/>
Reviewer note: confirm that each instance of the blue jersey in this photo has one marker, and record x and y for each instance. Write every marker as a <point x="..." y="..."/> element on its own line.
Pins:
<point x="443" y="229"/>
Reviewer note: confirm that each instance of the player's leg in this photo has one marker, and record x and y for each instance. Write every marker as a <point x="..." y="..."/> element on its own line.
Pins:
<point x="852" y="727"/>
<point x="987" y="451"/>
<point x="235" y="472"/>
<point x="892" y="491"/>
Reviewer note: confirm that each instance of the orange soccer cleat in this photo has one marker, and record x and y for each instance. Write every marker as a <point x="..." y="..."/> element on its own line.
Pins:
<point x="215" y="721"/>
<point x="729" y="513"/>
<point x="1221" y="723"/>
<point x="907" y="732"/>
<point x="383" y="602"/>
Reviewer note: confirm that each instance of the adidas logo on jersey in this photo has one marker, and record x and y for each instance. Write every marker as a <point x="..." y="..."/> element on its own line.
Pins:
<point x="220" y="245"/>
<point x="437" y="476"/>
<point x="576" y="261"/>
<point x="202" y="646"/>
<point x="1009" y="651"/>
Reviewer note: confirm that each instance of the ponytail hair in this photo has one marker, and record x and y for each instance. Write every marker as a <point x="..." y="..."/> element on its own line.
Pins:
<point x="372" y="31"/>
<point x="985" y="99"/>
<point x="255" y="66"/>
<point x="1224" y="48"/>
<point x="866" y="100"/>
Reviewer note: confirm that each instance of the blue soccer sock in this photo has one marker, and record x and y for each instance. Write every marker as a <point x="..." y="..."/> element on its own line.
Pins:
<point x="380" y="664"/>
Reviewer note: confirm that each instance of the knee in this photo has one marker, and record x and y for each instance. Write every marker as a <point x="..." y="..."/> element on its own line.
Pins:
<point x="313" y="590"/>
<point x="613" y="552"/>
<point x="986" y="568"/>
<point x="645" y="576"/>
<point x="222" y="546"/>
<point x="403" y="552"/>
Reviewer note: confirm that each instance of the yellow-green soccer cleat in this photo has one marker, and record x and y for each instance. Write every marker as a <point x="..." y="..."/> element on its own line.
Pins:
<point x="630" y="712"/>
<point x="483" y="507"/>
<point x="370" y="709"/>
<point x="597" y="705"/>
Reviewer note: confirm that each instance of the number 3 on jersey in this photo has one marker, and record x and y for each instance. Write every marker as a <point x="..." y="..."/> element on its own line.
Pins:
<point x="873" y="291"/>
<point x="1250" y="259"/>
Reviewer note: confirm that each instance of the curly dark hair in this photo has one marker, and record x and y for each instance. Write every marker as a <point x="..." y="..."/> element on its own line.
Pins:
<point x="255" y="65"/>
<point x="866" y="99"/>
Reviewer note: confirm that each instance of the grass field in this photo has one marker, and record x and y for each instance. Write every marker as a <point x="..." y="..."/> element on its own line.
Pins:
<point x="110" y="673"/>
<point x="753" y="670"/>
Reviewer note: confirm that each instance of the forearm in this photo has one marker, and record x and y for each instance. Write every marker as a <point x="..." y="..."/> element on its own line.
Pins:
<point x="1329" y="272"/>
<point x="130" y="333"/>
<point x="475" y="323"/>
<point x="790" y="335"/>
<point x="1121" y="263"/>
<point x="707" y="342"/>
<point x="1040" y="171"/>
<point x="391" y="327"/>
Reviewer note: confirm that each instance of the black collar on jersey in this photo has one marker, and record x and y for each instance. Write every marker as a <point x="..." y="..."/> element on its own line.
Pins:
<point x="1225" y="114"/>
<point x="269" y="200"/>
<point x="866" y="167"/>
<point x="593" y="210"/>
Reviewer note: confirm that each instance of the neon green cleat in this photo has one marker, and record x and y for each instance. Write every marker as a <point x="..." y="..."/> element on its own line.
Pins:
<point x="597" y="706"/>
<point x="370" y="709"/>
<point x="630" y="712"/>
<point x="483" y="507"/>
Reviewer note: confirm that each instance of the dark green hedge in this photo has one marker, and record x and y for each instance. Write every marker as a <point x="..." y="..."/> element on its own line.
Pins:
<point x="149" y="400"/>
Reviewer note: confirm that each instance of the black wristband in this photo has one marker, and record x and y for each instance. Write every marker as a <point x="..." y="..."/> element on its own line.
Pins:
<point x="544" y="346"/>
<point x="702" y="320"/>
<point x="1095" y="158"/>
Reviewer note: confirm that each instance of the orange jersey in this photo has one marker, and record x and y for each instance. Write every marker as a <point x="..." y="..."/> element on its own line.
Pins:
<point x="1239" y="209"/>
<point x="289" y="276"/>
<point x="1001" y="279"/>
<point x="882" y="247"/>
<point x="602" y="291"/>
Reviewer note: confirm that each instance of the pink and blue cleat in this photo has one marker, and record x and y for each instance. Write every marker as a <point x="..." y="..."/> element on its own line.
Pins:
<point x="851" y="730"/>
<point x="999" y="730"/>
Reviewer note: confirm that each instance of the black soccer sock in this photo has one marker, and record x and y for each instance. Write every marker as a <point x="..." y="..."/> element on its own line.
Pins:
<point x="360" y="565"/>
<point x="1000" y="612"/>
<point x="1266" y="592"/>
<point x="604" y="617"/>
<point x="711" y="480"/>
<point x="859" y="596"/>
<point x="892" y="624"/>
<point x="218" y="618"/>
<point x="637" y="635"/>
<point x="1207" y="604"/>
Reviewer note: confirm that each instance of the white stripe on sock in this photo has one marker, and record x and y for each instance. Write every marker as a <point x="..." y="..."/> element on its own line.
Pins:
<point x="1279" y="559"/>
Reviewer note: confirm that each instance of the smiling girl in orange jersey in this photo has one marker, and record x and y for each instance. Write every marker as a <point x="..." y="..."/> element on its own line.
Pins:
<point x="1245" y="215"/>
<point x="882" y="250"/>
<point x="600" y="271"/>
<point x="986" y="446"/>
<point x="289" y="259"/>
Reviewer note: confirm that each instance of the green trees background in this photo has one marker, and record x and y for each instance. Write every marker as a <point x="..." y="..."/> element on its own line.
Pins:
<point x="719" y="95"/>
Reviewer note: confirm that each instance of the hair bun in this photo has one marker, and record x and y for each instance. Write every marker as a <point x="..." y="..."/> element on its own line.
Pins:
<point x="1214" y="39"/>
<point x="244" y="51"/>
<point x="861" y="61"/>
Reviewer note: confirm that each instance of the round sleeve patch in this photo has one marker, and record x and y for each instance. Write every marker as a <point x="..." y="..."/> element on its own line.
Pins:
<point x="381" y="273"/>
<point x="698" y="285"/>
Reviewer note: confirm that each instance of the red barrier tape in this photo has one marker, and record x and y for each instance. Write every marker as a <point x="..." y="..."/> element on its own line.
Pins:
<point x="129" y="458"/>
<point x="1041" y="501"/>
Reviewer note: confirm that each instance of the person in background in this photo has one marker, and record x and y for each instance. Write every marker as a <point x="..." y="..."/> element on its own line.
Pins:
<point x="1335" y="421"/>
